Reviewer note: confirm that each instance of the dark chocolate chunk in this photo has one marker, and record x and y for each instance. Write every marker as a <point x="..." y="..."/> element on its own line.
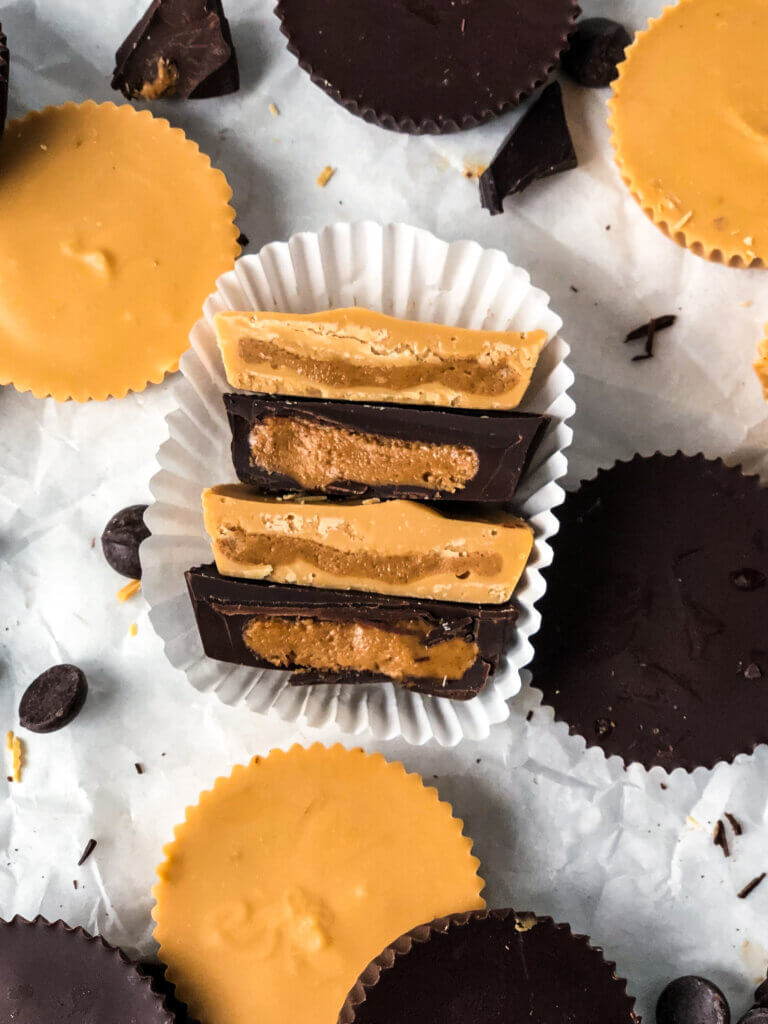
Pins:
<point x="90" y="846"/>
<point x="179" y="48"/>
<point x="747" y="579"/>
<point x="750" y="887"/>
<point x="721" y="839"/>
<point x="594" y="51"/>
<point x="4" y="76"/>
<point x="692" y="1000"/>
<point x="761" y="994"/>
<point x="500" y="966"/>
<point x="427" y="65"/>
<point x="640" y="622"/>
<point x="505" y="444"/>
<point x="538" y="146"/>
<point x="121" y="539"/>
<point x="54" y="699"/>
<point x="224" y="607"/>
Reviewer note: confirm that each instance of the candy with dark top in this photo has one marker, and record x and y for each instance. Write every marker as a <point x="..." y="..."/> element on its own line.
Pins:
<point x="313" y="446"/>
<point x="446" y="649"/>
<point x="53" y="974"/>
<point x="692" y="1000"/>
<point x="642" y="623"/>
<point x="54" y="699"/>
<point x="491" y="966"/>
<point x="4" y="70"/>
<point x="179" y="48"/>
<point x="121" y="539"/>
<point x="594" y="52"/>
<point x="427" y="65"/>
<point x="538" y="146"/>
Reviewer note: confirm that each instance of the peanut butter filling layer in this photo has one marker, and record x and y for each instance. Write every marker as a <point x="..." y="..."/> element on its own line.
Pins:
<point x="358" y="647"/>
<point x="315" y="455"/>
<point x="402" y="548"/>
<point x="359" y="354"/>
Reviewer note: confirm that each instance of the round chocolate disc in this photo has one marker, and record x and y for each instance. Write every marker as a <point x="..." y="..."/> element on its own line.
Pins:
<point x="653" y="640"/>
<point x="427" y="65"/>
<point x="121" y="539"/>
<point x="692" y="1000"/>
<point x="54" y="699"/>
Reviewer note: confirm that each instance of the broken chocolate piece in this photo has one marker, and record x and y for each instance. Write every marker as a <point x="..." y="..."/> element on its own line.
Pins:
<point x="54" y="699"/>
<point x="648" y="333"/>
<point x="538" y="146"/>
<point x="121" y="539"/>
<point x="721" y="839"/>
<point x="735" y="824"/>
<point x="354" y="449"/>
<point x="323" y="636"/>
<point x="751" y="886"/>
<point x="179" y="48"/>
<point x="4" y="74"/>
<point x="90" y="846"/>
<point x="594" y="51"/>
<point x="692" y="1000"/>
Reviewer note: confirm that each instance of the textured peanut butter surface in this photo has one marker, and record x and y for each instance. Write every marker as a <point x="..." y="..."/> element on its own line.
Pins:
<point x="360" y="647"/>
<point x="761" y="366"/>
<point x="315" y="455"/>
<point x="691" y="129"/>
<point x="292" y="874"/>
<point x="389" y="547"/>
<point x="359" y="354"/>
<point x="114" y="230"/>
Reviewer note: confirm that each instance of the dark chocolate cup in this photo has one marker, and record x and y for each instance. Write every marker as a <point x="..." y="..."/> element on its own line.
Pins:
<point x="4" y="75"/>
<point x="729" y="738"/>
<point x="590" y="963"/>
<point x="540" y="65"/>
<point x="137" y="991"/>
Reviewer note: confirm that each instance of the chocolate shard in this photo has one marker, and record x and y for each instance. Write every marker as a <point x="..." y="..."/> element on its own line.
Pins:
<point x="179" y="48"/>
<point x="309" y="632"/>
<point x="538" y="146"/>
<point x="350" y="449"/>
<point x="594" y="52"/>
<point x="4" y="74"/>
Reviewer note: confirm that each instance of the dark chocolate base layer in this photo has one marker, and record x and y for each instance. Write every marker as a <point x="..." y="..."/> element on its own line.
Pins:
<point x="504" y="443"/>
<point x="653" y="642"/>
<point x="427" y="66"/>
<point x="224" y="606"/>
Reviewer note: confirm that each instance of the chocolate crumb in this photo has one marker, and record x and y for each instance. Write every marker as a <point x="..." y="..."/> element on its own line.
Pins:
<point x="90" y="846"/>
<point x="664" y="785"/>
<point x="574" y="289"/>
<point x="751" y="886"/>
<point x="747" y="579"/>
<point x="139" y="769"/>
<point x="9" y="778"/>
<point x="648" y="332"/>
<point x="721" y="839"/>
<point x="529" y="716"/>
<point x="735" y="824"/>
<point x="753" y="671"/>
<point x="243" y="240"/>
<point x="74" y="883"/>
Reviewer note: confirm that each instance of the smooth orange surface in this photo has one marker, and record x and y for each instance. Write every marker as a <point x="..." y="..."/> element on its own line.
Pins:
<point x="292" y="874"/>
<point x="690" y="126"/>
<point x="114" y="228"/>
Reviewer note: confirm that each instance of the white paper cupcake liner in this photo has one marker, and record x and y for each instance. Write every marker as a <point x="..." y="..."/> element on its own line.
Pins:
<point x="405" y="272"/>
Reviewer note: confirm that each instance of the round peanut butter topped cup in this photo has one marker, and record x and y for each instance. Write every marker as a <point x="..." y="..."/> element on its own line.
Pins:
<point x="289" y="876"/>
<point x="115" y="228"/>
<point x="689" y="127"/>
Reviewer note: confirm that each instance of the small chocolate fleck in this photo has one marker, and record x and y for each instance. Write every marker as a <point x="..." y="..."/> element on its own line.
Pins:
<point x="747" y="579"/>
<point x="753" y="671"/>
<point x="603" y="727"/>
<point x="657" y="323"/>
<point x="139" y="769"/>
<point x="751" y="886"/>
<point x="90" y="846"/>
<point x="529" y="716"/>
<point x="9" y="778"/>
<point x="735" y="824"/>
<point x="721" y="839"/>
<point x="74" y="883"/>
<point x="243" y="240"/>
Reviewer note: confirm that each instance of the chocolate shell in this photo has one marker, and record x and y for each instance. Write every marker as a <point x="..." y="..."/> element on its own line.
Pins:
<point x="514" y="967"/>
<point x="427" y="66"/>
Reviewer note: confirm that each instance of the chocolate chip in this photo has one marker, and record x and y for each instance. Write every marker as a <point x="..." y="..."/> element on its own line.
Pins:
<point x="90" y="846"/>
<point x="761" y="994"/>
<point x="594" y="50"/>
<point x="753" y="671"/>
<point x="747" y="579"/>
<point x="692" y="1000"/>
<point x="121" y="539"/>
<point x="54" y="699"/>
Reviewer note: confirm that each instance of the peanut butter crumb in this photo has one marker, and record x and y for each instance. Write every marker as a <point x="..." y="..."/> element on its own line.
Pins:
<point x="129" y="590"/>
<point x="325" y="175"/>
<point x="683" y="221"/>
<point x="474" y="170"/>
<point x="164" y="83"/>
<point x="134" y="629"/>
<point x="273" y="109"/>
<point x="761" y="366"/>
<point x="16" y="750"/>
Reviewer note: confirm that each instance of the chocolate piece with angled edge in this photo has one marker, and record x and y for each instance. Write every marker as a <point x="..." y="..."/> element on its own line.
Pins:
<point x="179" y="48"/>
<point x="122" y="538"/>
<point x="313" y="446"/>
<point x="54" y="699"/>
<point x="594" y="52"/>
<point x="332" y="636"/>
<point x="4" y="77"/>
<point x="641" y="621"/>
<point x="538" y="146"/>
<point x="692" y="1000"/>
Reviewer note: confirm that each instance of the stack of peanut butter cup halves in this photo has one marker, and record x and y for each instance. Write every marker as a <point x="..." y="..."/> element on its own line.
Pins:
<point x="368" y="540"/>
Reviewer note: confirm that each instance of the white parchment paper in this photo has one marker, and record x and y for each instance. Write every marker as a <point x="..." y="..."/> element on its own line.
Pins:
<point x="614" y="853"/>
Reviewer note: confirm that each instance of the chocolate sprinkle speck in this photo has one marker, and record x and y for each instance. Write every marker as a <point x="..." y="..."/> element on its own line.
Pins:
<point x="90" y="846"/>
<point x="751" y="886"/>
<point x="721" y="839"/>
<point x="74" y="883"/>
<point x="139" y="769"/>
<point x="243" y="240"/>
<point x="735" y="824"/>
<point x="747" y="579"/>
<point x="529" y="716"/>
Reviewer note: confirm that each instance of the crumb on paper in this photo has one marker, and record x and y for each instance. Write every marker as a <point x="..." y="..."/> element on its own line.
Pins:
<point x="90" y="846"/>
<point x="16" y="751"/>
<point x="134" y="629"/>
<point x="692" y="822"/>
<point x="325" y="175"/>
<point x="746" y="303"/>
<point x="721" y="839"/>
<point x="274" y="110"/>
<point x="733" y="821"/>
<point x="751" y="886"/>
<point x="474" y="170"/>
<point x="139" y="768"/>
<point x="129" y="590"/>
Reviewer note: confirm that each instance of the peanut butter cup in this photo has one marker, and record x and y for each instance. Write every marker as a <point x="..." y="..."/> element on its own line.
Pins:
<point x="427" y="66"/>
<point x="653" y="643"/>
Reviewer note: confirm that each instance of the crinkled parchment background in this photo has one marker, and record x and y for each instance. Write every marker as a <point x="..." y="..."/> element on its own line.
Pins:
<point x="610" y="851"/>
